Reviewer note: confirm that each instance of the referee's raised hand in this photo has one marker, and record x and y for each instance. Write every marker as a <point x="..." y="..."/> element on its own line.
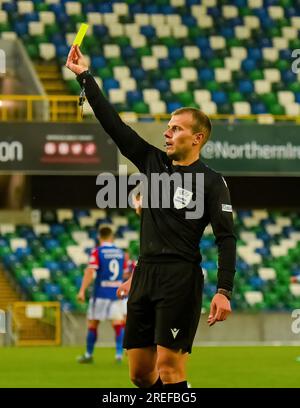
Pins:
<point x="219" y="309"/>
<point x="76" y="61"/>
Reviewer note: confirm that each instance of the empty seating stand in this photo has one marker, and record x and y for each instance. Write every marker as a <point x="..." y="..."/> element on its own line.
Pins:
<point x="48" y="259"/>
<point x="238" y="53"/>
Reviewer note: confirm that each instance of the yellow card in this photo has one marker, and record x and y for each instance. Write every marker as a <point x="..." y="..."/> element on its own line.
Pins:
<point x="81" y="33"/>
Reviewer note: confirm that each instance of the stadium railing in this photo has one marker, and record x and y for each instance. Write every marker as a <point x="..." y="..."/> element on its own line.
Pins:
<point x="21" y="107"/>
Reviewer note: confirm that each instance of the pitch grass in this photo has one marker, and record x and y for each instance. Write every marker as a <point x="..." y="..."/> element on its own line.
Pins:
<point x="235" y="367"/>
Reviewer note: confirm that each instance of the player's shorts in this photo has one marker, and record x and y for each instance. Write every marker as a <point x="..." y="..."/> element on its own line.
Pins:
<point x="164" y="305"/>
<point x="105" y="309"/>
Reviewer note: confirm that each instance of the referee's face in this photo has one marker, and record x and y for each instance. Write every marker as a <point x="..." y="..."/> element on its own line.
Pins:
<point x="179" y="137"/>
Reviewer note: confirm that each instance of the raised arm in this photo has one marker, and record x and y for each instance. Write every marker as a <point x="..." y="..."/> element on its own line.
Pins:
<point x="129" y="142"/>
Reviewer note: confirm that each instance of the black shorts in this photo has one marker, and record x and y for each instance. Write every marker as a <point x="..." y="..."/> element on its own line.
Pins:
<point x="164" y="305"/>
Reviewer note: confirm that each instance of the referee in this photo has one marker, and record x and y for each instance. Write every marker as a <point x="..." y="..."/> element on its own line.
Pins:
<point x="165" y="296"/>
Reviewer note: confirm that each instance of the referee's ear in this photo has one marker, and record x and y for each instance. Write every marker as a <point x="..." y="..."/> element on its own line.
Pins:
<point x="199" y="139"/>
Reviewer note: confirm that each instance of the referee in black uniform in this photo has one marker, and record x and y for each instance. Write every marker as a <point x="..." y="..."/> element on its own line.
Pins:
<point x="165" y="296"/>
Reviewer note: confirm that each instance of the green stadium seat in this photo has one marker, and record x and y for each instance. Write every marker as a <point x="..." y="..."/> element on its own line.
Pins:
<point x="74" y="87"/>
<point x="40" y="297"/>
<point x="140" y="107"/>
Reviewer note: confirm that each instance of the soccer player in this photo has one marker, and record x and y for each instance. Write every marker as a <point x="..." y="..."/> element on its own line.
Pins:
<point x="109" y="264"/>
<point x="165" y="296"/>
<point x="123" y="290"/>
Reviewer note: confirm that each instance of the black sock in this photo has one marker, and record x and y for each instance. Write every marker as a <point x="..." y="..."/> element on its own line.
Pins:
<point x="156" y="385"/>
<point x="182" y="384"/>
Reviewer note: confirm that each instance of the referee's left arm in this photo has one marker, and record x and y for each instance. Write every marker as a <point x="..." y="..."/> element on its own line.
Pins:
<point x="221" y="218"/>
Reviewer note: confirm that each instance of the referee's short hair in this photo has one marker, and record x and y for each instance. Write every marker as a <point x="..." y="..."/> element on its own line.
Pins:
<point x="201" y="122"/>
<point x="105" y="232"/>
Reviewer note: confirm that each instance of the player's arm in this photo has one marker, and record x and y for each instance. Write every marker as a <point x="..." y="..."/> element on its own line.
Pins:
<point x="89" y="273"/>
<point x="129" y="142"/>
<point x="124" y="289"/>
<point x="220" y="212"/>
<point x="88" y="278"/>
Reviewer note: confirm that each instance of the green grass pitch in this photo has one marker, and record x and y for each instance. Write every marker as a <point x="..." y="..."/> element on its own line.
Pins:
<point x="208" y="367"/>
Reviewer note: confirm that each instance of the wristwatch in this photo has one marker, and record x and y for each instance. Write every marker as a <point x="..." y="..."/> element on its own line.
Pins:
<point x="225" y="292"/>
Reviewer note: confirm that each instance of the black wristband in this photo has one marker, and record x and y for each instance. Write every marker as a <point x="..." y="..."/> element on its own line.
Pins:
<point x="225" y="292"/>
<point x="81" y="76"/>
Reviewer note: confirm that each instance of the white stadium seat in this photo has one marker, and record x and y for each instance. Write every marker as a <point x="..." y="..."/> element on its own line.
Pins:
<point x="202" y="95"/>
<point x="160" y="51"/>
<point x="157" y="107"/>
<point x="276" y="12"/>
<point x="86" y="222"/>
<point x="267" y="273"/>
<point x="16" y="243"/>
<point x="40" y="273"/>
<point x="121" y="9"/>
<point x="234" y="64"/>
<point x="179" y="31"/>
<point x="25" y="7"/>
<point x="242" y="32"/>
<point x="178" y="85"/>
<point x="138" y="41"/>
<point x="217" y="42"/>
<point x="242" y="108"/>
<point x="3" y="16"/>
<point x="209" y="107"/>
<point x="151" y="95"/>
<point x="142" y="19"/>
<point x="239" y="52"/>
<point x="223" y="75"/>
<point x="230" y="11"/>
<point x="36" y="28"/>
<point x="149" y="62"/>
<point x="128" y="84"/>
<point x="191" y="52"/>
<point x="73" y="8"/>
<point x="111" y="51"/>
<point x="64" y="214"/>
<point x="262" y="86"/>
<point x="97" y="214"/>
<point x="79" y="236"/>
<point x="120" y="221"/>
<point x="117" y="95"/>
<point x="94" y="18"/>
<point x="255" y="3"/>
<point x="41" y="229"/>
<point x="189" y="73"/>
<point x="48" y="52"/>
<point x="122" y="243"/>
<point x="253" y="297"/>
<point x="7" y="228"/>
<point x="270" y="54"/>
<point x="295" y="289"/>
<point x="47" y="17"/>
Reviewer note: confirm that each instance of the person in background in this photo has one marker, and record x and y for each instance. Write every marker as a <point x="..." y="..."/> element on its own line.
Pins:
<point x="107" y="266"/>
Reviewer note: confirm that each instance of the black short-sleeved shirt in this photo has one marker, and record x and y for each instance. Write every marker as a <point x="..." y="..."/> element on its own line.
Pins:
<point x="166" y="233"/>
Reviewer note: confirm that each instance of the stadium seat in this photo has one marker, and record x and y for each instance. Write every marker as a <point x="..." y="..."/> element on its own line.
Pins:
<point x="248" y="50"/>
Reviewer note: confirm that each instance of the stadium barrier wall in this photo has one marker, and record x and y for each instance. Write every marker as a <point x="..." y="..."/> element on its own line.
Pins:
<point x="240" y="149"/>
<point x="240" y="328"/>
<point x="84" y="148"/>
<point x="62" y="148"/>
